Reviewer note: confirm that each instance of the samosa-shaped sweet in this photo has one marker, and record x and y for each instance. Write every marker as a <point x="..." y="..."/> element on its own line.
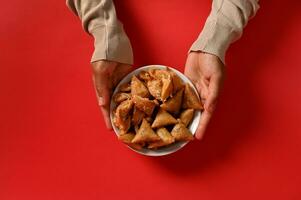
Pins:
<point x="163" y="118"/>
<point x="145" y="134"/>
<point x="176" y="81"/>
<point x="149" y="119"/>
<point x="167" y="88"/>
<point x="138" y="88"/>
<point x="144" y="75"/>
<point x="122" y="120"/>
<point x="190" y="99"/>
<point x="165" y="136"/>
<point x="127" y="139"/>
<point x="144" y="104"/>
<point x="124" y="108"/>
<point x="137" y="116"/>
<point x="123" y="124"/>
<point x="121" y="96"/>
<point x="125" y="87"/>
<point x="186" y="116"/>
<point x="155" y="88"/>
<point x="181" y="133"/>
<point x="173" y="104"/>
<point x="158" y="73"/>
<point x="165" y="77"/>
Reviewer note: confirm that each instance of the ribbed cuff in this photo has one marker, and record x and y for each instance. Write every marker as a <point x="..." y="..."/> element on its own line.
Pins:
<point x="215" y="39"/>
<point x="111" y="43"/>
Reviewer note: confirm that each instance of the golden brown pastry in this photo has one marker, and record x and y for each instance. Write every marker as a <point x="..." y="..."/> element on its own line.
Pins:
<point x="124" y="108"/>
<point x="144" y="75"/>
<point x="125" y="87"/>
<point x="122" y="120"/>
<point x="176" y="81"/>
<point x="123" y="124"/>
<point x="165" y="77"/>
<point x="165" y="139"/>
<point x="155" y="88"/>
<point x="167" y="88"/>
<point x="145" y="134"/>
<point x="149" y="119"/>
<point x="186" y="116"/>
<point x="173" y="104"/>
<point x="137" y="116"/>
<point x="144" y="104"/>
<point x="121" y="96"/>
<point x="127" y="139"/>
<point x="190" y="99"/>
<point x="163" y="118"/>
<point x="181" y="133"/>
<point x="159" y="73"/>
<point x="138" y="88"/>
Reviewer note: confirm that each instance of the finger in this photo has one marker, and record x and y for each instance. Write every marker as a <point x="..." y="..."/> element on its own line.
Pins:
<point x="106" y="115"/>
<point x="213" y="93"/>
<point x="102" y="88"/>
<point x="205" y="118"/>
<point x="103" y="95"/>
<point x="203" y="91"/>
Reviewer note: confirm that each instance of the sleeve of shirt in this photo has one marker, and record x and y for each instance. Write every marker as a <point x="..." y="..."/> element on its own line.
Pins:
<point x="224" y="25"/>
<point x="99" y="19"/>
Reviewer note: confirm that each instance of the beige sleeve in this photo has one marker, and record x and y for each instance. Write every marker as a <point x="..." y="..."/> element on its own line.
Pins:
<point x="224" y="25"/>
<point x="99" y="19"/>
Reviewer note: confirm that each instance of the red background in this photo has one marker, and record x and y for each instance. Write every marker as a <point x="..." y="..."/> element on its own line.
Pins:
<point x="53" y="143"/>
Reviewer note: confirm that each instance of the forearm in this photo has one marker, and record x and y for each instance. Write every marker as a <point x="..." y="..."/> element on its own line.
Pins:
<point x="224" y="25"/>
<point x="99" y="19"/>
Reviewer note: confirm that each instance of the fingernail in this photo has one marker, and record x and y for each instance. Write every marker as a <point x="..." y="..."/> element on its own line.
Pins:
<point x="101" y="101"/>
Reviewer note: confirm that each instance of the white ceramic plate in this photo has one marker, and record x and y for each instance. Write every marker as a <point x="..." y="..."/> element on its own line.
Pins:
<point x="192" y="127"/>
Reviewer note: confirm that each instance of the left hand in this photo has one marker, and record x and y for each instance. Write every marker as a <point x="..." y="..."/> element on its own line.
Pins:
<point x="206" y="71"/>
<point x="106" y="75"/>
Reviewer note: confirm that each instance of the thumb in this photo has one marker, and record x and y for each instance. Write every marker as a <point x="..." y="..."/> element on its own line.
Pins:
<point x="210" y="104"/>
<point x="102" y="90"/>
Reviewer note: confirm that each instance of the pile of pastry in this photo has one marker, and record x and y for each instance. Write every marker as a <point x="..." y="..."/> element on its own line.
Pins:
<point x="154" y="109"/>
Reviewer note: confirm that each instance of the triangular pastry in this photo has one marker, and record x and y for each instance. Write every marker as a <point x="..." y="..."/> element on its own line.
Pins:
<point x="144" y="104"/>
<point x="138" y="88"/>
<point x="123" y="124"/>
<point x="174" y="103"/>
<point x="125" y="87"/>
<point x="163" y="118"/>
<point x="165" y="136"/>
<point x="155" y="88"/>
<point x="145" y="134"/>
<point x="127" y="139"/>
<point x="137" y="116"/>
<point x="121" y="96"/>
<point x="181" y="133"/>
<point x="144" y="75"/>
<point x="176" y="81"/>
<point x="124" y="108"/>
<point x="190" y="99"/>
<point x="166" y="88"/>
<point x="186" y="116"/>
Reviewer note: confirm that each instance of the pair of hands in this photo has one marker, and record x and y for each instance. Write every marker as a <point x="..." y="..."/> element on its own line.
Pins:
<point x="206" y="71"/>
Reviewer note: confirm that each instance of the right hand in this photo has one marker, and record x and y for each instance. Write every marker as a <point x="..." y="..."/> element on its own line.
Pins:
<point x="207" y="72"/>
<point x="106" y="75"/>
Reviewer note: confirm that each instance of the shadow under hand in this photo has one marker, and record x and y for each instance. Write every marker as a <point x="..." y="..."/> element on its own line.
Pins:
<point x="239" y="109"/>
